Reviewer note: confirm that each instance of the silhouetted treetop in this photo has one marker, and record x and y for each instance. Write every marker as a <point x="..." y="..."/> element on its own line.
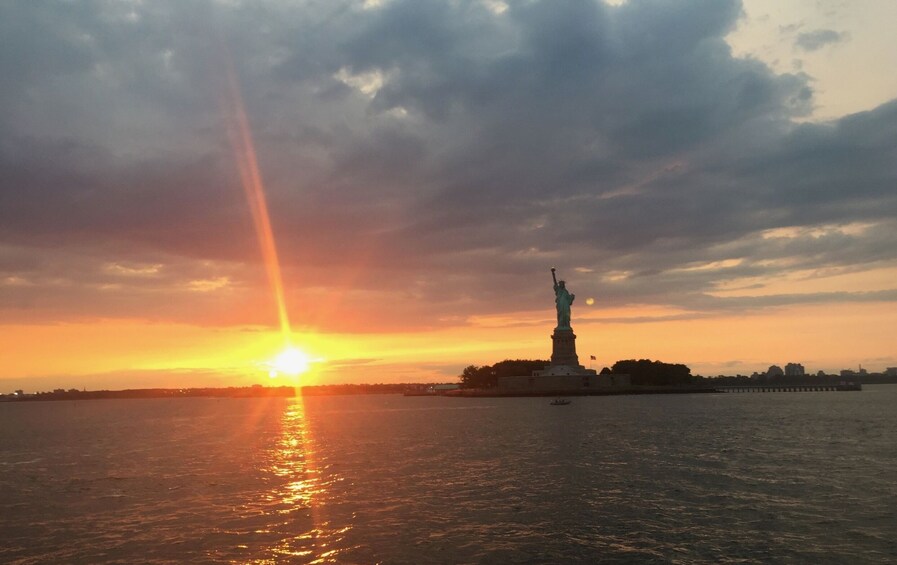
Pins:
<point x="487" y="375"/>
<point x="645" y="372"/>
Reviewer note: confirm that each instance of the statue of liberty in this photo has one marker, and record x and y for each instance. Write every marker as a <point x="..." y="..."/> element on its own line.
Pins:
<point x="563" y="299"/>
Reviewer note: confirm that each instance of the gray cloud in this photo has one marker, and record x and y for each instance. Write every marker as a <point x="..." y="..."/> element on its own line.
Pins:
<point x="818" y="38"/>
<point x="425" y="161"/>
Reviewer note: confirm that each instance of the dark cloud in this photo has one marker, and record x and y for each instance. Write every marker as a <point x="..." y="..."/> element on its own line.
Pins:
<point x="425" y="161"/>
<point x="818" y="38"/>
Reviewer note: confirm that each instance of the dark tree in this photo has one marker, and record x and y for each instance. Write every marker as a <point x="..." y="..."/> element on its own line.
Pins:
<point x="471" y="377"/>
<point x="645" y="372"/>
<point x="487" y="375"/>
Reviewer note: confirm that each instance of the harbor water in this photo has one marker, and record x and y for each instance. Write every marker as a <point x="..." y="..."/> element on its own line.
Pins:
<point x="710" y="478"/>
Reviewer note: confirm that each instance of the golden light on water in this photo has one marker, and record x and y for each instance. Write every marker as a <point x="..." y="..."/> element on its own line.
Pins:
<point x="301" y="491"/>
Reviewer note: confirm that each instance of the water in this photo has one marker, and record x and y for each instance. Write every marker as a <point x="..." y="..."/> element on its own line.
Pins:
<point x="730" y="478"/>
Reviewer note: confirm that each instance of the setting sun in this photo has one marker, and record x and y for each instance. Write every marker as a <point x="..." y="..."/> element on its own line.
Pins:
<point x="290" y="361"/>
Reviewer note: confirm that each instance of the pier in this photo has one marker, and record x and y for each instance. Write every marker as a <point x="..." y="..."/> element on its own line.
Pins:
<point x="792" y="388"/>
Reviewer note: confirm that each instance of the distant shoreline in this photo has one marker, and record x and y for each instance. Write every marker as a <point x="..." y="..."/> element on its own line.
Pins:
<point x="228" y="392"/>
<point x="604" y="391"/>
<point x="255" y="391"/>
<point x="407" y="389"/>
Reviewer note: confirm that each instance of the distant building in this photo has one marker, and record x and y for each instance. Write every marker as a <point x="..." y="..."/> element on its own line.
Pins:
<point x="794" y="370"/>
<point x="821" y="373"/>
<point x="891" y="371"/>
<point x="848" y="373"/>
<point x="442" y="389"/>
<point x="775" y="371"/>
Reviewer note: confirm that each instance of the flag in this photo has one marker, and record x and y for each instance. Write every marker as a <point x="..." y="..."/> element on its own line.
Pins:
<point x="592" y="357"/>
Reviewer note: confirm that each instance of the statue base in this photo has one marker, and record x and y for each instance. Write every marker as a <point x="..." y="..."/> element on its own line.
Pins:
<point x="564" y="361"/>
<point x="563" y="351"/>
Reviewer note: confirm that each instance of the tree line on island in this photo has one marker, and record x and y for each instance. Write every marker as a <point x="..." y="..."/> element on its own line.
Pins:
<point x="642" y="372"/>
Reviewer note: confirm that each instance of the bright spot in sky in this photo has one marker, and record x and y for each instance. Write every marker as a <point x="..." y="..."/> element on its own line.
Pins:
<point x="590" y="301"/>
<point x="290" y="361"/>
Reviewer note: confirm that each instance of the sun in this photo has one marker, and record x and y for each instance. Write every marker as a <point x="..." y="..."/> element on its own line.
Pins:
<point x="291" y="361"/>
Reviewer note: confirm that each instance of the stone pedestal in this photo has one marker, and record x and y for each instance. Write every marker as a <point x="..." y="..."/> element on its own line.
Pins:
<point x="563" y="351"/>
<point x="564" y="375"/>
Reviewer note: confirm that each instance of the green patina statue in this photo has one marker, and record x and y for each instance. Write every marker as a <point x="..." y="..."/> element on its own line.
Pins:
<point x="563" y="299"/>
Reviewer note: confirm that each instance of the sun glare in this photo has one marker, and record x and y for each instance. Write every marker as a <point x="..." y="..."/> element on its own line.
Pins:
<point x="290" y="362"/>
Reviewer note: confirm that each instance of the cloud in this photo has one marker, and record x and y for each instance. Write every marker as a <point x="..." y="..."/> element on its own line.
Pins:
<point x="819" y="38"/>
<point x="424" y="162"/>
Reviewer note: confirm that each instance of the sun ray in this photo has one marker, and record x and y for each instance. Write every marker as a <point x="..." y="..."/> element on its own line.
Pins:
<point x="240" y="136"/>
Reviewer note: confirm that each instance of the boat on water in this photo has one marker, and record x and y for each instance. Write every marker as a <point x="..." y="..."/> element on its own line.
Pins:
<point x="560" y="402"/>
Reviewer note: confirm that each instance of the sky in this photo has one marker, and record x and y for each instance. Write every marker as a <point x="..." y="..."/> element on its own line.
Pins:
<point x="186" y="187"/>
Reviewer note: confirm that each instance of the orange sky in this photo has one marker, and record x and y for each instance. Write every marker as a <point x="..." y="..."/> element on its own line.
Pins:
<point x="136" y="353"/>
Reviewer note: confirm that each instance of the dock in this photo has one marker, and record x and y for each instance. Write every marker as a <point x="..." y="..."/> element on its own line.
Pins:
<point x="840" y="387"/>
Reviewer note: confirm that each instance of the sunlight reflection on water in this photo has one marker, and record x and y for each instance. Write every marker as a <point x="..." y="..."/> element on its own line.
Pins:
<point x="300" y="493"/>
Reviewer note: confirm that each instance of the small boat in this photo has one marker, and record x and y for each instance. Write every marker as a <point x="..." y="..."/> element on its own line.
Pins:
<point x="560" y="402"/>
